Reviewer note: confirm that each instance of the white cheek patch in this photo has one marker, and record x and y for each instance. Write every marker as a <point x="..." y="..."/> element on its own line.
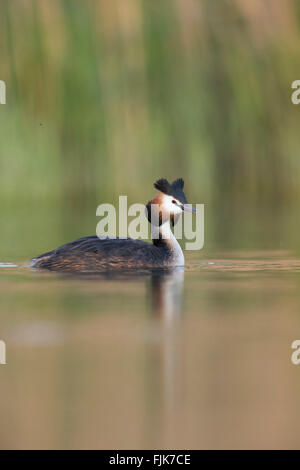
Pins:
<point x="170" y="206"/>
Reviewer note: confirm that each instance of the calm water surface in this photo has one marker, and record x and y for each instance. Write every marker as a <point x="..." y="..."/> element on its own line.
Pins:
<point x="191" y="358"/>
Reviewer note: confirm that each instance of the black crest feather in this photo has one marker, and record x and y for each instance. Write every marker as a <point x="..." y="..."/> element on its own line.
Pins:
<point x="178" y="184"/>
<point x="163" y="185"/>
<point x="174" y="189"/>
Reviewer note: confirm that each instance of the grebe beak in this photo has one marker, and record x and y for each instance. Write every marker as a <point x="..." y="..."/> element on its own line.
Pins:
<point x="189" y="208"/>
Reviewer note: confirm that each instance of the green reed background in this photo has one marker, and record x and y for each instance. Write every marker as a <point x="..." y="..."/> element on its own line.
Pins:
<point x="104" y="97"/>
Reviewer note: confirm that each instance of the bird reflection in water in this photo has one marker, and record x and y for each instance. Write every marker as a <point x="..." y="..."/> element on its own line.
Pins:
<point x="166" y="294"/>
<point x="166" y="299"/>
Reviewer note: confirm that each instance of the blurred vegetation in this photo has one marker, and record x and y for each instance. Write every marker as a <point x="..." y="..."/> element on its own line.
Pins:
<point x="104" y="97"/>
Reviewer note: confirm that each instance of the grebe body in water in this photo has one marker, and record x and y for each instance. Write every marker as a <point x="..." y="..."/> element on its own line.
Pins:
<point x="93" y="253"/>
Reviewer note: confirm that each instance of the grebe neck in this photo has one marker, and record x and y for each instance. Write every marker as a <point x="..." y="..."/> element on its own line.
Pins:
<point x="163" y="237"/>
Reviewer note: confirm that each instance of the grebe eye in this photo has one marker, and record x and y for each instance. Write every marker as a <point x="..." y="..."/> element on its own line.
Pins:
<point x="174" y="202"/>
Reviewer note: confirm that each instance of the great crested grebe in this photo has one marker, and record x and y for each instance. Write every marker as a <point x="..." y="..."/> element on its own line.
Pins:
<point x="93" y="253"/>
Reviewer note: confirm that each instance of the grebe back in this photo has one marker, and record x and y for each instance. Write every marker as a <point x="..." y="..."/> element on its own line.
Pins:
<point x="92" y="253"/>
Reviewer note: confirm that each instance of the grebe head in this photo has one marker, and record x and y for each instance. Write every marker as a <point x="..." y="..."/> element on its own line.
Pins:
<point x="170" y="202"/>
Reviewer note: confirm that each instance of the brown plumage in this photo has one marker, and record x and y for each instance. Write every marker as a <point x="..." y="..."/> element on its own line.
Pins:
<point x="93" y="254"/>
